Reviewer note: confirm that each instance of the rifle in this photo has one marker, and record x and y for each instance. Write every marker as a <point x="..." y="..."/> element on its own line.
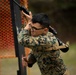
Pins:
<point x="21" y="7"/>
<point x="51" y="29"/>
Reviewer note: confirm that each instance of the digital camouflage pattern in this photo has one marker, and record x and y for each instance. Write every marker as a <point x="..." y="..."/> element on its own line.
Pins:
<point x="49" y="62"/>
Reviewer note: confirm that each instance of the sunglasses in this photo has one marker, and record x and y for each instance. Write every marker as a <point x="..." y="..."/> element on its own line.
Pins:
<point x="34" y="28"/>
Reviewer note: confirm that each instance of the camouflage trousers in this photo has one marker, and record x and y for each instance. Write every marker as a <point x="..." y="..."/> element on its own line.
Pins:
<point x="66" y="73"/>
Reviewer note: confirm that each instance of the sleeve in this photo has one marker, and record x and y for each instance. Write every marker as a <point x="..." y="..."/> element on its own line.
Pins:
<point x="29" y="41"/>
<point x="31" y="59"/>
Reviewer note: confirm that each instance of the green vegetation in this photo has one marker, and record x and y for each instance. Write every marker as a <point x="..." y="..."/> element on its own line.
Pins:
<point x="70" y="59"/>
<point x="62" y="14"/>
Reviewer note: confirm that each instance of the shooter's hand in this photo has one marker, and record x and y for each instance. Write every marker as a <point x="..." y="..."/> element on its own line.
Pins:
<point x="24" y="61"/>
<point x="28" y="27"/>
<point x="28" y="17"/>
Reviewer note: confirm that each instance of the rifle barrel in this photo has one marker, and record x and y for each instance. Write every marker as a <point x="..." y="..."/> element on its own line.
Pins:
<point x="16" y="3"/>
<point x="22" y="7"/>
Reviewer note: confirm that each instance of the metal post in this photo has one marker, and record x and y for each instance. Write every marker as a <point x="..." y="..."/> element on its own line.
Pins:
<point x="16" y="22"/>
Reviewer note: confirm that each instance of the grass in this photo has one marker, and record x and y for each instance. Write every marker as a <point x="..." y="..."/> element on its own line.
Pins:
<point x="70" y="59"/>
<point x="9" y="66"/>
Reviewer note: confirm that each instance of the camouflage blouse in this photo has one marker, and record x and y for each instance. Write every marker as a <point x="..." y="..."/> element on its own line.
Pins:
<point x="49" y="62"/>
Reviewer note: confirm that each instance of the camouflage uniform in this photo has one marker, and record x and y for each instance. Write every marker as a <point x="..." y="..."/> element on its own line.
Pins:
<point x="49" y="62"/>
